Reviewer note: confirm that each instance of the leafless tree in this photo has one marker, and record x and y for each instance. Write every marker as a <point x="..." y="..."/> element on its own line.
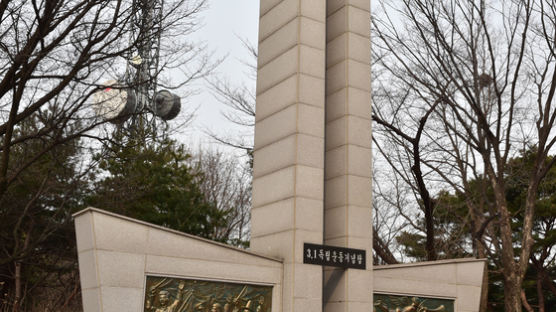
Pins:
<point x="239" y="102"/>
<point x="226" y="183"/>
<point x="55" y="54"/>
<point x="486" y="71"/>
<point x="387" y="222"/>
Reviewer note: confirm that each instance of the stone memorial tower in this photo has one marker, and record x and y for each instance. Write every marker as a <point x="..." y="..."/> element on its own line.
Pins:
<point x="312" y="169"/>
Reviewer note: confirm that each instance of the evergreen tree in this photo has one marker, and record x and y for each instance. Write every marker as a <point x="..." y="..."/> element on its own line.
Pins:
<point x="154" y="182"/>
<point x="37" y="241"/>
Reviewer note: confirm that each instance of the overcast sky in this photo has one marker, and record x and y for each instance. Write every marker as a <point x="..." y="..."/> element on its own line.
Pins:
<point x="224" y="22"/>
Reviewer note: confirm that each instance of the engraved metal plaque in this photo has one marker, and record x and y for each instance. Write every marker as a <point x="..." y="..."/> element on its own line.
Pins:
<point x="167" y="294"/>
<point x="334" y="256"/>
<point x="393" y="303"/>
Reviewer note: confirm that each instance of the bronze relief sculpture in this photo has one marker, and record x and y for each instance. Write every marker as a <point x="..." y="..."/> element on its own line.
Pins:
<point x="166" y="294"/>
<point x="395" y="303"/>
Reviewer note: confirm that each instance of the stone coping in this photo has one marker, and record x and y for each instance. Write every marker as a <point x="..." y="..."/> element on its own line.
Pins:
<point x="427" y="263"/>
<point x="115" y="215"/>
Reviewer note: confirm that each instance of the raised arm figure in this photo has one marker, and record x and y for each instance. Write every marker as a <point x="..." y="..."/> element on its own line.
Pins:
<point x="164" y="300"/>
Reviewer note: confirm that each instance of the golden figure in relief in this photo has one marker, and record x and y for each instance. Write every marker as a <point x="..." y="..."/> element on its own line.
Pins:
<point x="164" y="304"/>
<point x="217" y="307"/>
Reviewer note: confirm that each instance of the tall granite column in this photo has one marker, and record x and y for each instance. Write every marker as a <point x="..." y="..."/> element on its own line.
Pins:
<point x="348" y="151"/>
<point x="312" y="169"/>
<point x="288" y="183"/>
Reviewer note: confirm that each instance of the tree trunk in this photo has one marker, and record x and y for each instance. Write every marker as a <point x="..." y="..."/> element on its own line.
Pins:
<point x="540" y="291"/>
<point x="17" y="278"/>
<point x="512" y="292"/>
<point x="17" y="297"/>
<point x="479" y="249"/>
<point x="512" y="274"/>
<point x="525" y="303"/>
<point x="382" y="250"/>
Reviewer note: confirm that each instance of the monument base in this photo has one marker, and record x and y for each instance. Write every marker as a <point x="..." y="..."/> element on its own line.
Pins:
<point x="130" y="265"/>
<point x="455" y="282"/>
